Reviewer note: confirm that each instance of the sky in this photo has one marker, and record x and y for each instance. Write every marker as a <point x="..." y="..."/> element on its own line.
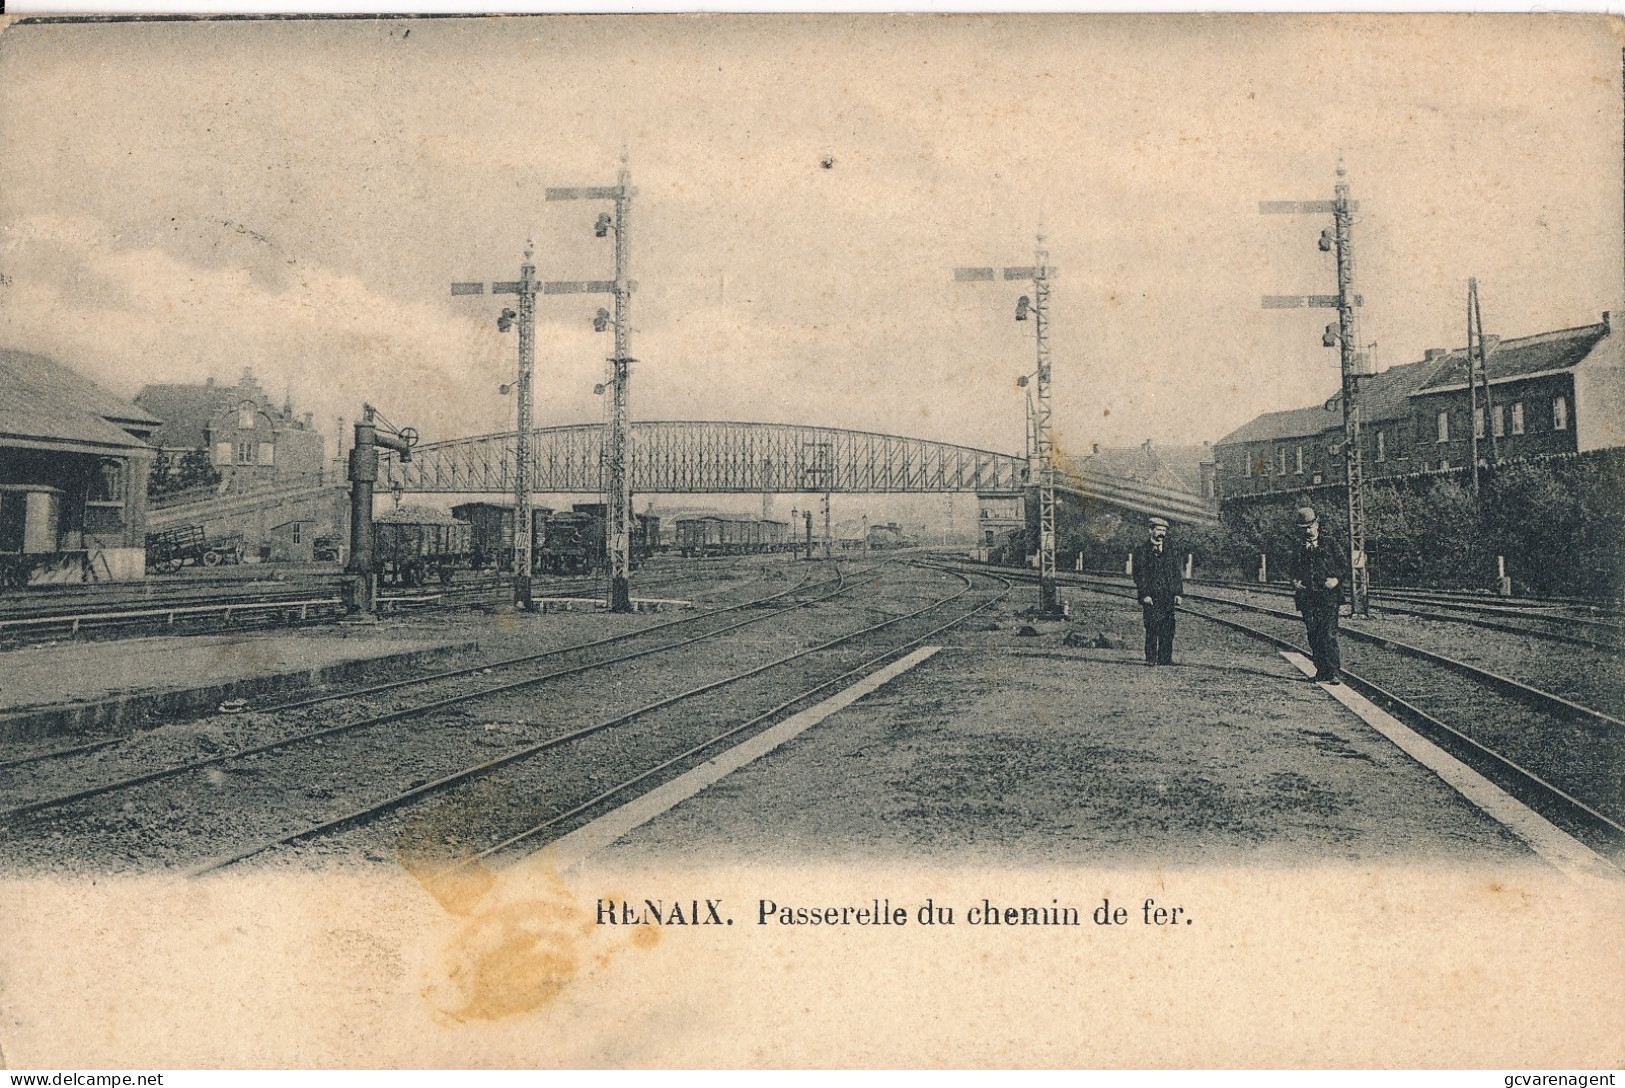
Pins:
<point x="183" y="200"/>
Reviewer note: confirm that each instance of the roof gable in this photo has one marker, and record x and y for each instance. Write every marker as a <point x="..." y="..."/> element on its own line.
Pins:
<point x="1274" y="426"/>
<point x="46" y="400"/>
<point x="1543" y="352"/>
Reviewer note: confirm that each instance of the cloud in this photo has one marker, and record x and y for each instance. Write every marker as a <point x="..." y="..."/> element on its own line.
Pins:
<point x="127" y="317"/>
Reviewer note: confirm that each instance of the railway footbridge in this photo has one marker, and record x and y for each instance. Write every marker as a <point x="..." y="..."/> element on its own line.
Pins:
<point x="708" y="457"/>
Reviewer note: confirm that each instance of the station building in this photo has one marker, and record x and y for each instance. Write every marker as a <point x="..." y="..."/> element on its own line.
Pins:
<point x="1551" y="394"/>
<point x="74" y="461"/>
<point x="250" y="441"/>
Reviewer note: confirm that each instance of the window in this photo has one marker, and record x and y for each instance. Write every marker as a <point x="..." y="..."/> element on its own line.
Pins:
<point x="297" y="538"/>
<point x="222" y="453"/>
<point x="267" y="453"/>
<point x="1498" y="420"/>
<point x="1247" y="466"/>
<point x="1444" y="426"/>
<point x="1478" y="423"/>
<point x="245" y="417"/>
<point x="107" y="484"/>
<point x="1282" y="453"/>
<point x="1560" y="413"/>
<point x="1382" y="445"/>
<point x="1299" y="469"/>
<point x="1517" y="417"/>
<point x="245" y="453"/>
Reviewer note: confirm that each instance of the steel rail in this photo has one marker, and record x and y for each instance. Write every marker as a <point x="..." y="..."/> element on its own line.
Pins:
<point x="1543" y="699"/>
<point x="1382" y="601"/>
<point x="487" y="767"/>
<point x="8" y="816"/>
<point x="55" y="753"/>
<point x="759" y="719"/>
<point x="1382" y="695"/>
<point x="1440" y="729"/>
<point x="396" y="685"/>
<point x="77" y="618"/>
<point x="525" y="659"/>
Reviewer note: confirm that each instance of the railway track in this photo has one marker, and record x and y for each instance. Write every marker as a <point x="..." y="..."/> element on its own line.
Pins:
<point x="232" y="607"/>
<point x="1558" y="756"/>
<point x="366" y="696"/>
<point x="1544" y="624"/>
<point x="431" y="731"/>
<point x="519" y="801"/>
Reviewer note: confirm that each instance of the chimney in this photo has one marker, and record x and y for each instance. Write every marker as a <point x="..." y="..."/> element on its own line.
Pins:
<point x="1607" y="322"/>
<point x="1097" y="447"/>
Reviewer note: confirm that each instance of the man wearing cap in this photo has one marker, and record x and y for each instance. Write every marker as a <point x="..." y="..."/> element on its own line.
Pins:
<point x="1317" y="582"/>
<point x="1160" y="585"/>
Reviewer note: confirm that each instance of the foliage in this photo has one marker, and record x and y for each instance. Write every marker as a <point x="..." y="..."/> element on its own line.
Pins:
<point x="1559" y="524"/>
<point x="171" y="474"/>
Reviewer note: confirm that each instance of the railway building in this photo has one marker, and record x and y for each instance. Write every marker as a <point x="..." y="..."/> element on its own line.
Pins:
<point x="250" y="441"/>
<point x="1552" y="394"/>
<point x="74" y="461"/>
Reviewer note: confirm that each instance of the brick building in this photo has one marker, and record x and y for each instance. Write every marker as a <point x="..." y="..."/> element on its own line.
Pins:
<point x="1553" y="393"/>
<point x="250" y="441"/>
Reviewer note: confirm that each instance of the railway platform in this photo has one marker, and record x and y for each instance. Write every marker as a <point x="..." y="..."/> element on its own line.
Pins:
<point x="1004" y="749"/>
<point x="74" y="687"/>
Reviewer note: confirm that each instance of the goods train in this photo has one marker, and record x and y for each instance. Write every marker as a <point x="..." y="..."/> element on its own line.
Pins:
<point x="412" y="543"/>
<point x="716" y="534"/>
<point x="562" y="542"/>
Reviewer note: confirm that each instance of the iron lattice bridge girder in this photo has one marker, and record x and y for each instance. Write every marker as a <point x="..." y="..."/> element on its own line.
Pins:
<point x="742" y="458"/>
<point x="749" y="458"/>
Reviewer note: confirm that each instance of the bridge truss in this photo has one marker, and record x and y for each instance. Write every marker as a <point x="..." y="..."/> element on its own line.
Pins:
<point x="716" y="458"/>
<point x="752" y="458"/>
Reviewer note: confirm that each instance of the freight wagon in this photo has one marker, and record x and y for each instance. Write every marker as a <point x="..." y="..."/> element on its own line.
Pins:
<point x="491" y="532"/>
<point x="414" y="543"/>
<point x="716" y="534"/>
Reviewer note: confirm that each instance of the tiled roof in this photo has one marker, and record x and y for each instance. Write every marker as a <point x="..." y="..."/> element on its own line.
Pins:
<point x="1384" y="396"/>
<point x="1175" y="467"/>
<point x="45" y="400"/>
<point x="1292" y="423"/>
<point x="1545" y="351"/>
<point x="1387" y="395"/>
<point x="186" y="410"/>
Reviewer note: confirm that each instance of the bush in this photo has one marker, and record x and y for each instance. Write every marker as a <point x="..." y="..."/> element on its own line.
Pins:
<point x="1559" y="523"/>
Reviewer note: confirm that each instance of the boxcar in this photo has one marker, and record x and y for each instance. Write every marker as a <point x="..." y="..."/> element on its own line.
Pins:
<point x="412" y="544"/>
<point x="716" y="534"/>
<point x="491" y="533"/>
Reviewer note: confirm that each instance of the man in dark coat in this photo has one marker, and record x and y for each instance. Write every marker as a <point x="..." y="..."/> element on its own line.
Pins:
<point x="1160" y="585"/>
<point x="1317" y="581"/>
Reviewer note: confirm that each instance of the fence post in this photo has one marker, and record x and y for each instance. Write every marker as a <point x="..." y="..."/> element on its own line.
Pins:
<point x="1263" y="567"/>
<point x="1503" y="583"/>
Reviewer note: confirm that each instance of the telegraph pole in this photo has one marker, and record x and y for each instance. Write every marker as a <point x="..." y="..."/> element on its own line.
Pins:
<point x="618" y="489"/>
<point x="1040" y="272"/>
<point x="1344" y="335"/>
<point x="1478" y="370"/>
